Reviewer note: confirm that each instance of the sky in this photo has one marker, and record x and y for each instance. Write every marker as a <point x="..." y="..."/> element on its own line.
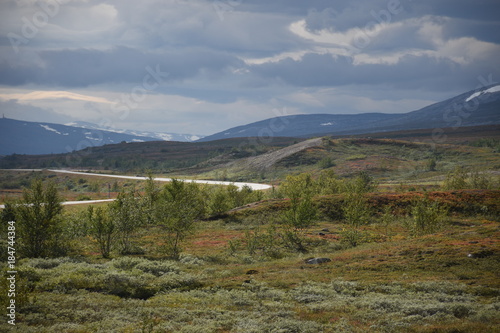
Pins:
<point x="203" y="66"/>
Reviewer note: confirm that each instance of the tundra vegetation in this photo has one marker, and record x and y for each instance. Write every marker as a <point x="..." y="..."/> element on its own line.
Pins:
<point x="185" y="257"/>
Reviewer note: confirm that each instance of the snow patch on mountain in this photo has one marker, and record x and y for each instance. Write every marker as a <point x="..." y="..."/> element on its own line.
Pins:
<point x="48" y="128"/>
<point x="156" y="135"/>
<point x="164" y="136"/>
<point x="487" y="91"/>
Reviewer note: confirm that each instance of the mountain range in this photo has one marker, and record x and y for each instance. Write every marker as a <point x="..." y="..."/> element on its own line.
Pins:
<point x="25" y="137"/>
<point x="155" y="135"/>
<point x="473" y="108"/>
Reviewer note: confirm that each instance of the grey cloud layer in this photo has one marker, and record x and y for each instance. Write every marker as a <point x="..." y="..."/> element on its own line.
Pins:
<point x="83" y="67"/>
<point x="247" y="52"/>
<point x="186" y="37"/>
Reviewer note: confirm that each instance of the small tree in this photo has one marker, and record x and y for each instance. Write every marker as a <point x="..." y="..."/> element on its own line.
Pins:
<point x="299" y="189"/>
<point x="456" y="179"/>
<point x="357" y="212"/>
<point x="427" y="216"/>
<point x="38" y="220"/>
<point x="127" y="214"/>
<point x="221" y="201"/>
<point x="431" y="164"/>
<point x="180" y="205"/>
<point x="328" y="183"/>
<point x="150" y="198"/>
<point x="362" y="183"/>
<point x="152" y="191"/>
<point x="103" y="228"/>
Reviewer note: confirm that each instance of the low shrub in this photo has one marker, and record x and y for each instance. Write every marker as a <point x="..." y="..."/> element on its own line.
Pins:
<point x="49" y="263"/>
<point x="182" y="281"/>
<point x="126" y="263"/>
<point x="124" y="284"/>
<point x="157" y="268"/>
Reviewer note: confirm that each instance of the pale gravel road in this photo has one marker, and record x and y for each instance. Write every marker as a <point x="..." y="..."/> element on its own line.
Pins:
<point x="253" y="186"/>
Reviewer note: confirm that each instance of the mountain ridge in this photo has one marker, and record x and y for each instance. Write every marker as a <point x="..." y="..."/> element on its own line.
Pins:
<point x="38" y="138"/>
<point x="25" y="137"/>
<point x="157" y="135"/>
<point x="472" y="108"/>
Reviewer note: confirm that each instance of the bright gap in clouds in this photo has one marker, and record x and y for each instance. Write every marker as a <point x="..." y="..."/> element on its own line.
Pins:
<point x="53" y="95"/>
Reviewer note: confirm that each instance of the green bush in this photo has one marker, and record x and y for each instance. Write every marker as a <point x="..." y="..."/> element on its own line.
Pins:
<point x="427" y="217"/>
<point x="325" y="163"/>
<point x="462" y="178"/>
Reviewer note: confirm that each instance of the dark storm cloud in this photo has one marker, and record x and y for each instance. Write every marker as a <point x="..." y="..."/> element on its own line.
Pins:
<point x="409" y="72"/>
<point x="246" y="57"/>
<point x="187" y="37"/>
<point x="480" y="10"/>
<point x="84" y="67"/>
<point x="472" y="18"/>
<point x="483" y="30"/>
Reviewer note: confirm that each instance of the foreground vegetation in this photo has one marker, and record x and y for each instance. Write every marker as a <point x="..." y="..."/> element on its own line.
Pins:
<point x="182" y="257"/>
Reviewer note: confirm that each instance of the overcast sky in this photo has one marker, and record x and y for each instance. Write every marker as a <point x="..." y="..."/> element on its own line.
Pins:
<point x="202" y="66"/>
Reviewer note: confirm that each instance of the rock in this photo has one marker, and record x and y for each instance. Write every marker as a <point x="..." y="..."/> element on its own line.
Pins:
<point x="313" y="261"/>
<point x="481" y="254"/>
<point x="252" y="271"/>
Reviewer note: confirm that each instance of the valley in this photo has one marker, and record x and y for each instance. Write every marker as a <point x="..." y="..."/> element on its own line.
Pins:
<point x="408" y="229"/>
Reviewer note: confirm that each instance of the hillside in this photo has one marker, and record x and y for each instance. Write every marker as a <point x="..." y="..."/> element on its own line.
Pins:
<point x="243" y="159"/>
<point x="390" y="157"/>
<point x="472" y="108"/>
<point x="140" y="156"/>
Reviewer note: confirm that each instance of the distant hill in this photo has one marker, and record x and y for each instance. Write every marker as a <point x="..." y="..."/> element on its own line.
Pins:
<point x="473" y="108"/>
<point x="25" y="137"/>
<point x="153" y="155"/>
